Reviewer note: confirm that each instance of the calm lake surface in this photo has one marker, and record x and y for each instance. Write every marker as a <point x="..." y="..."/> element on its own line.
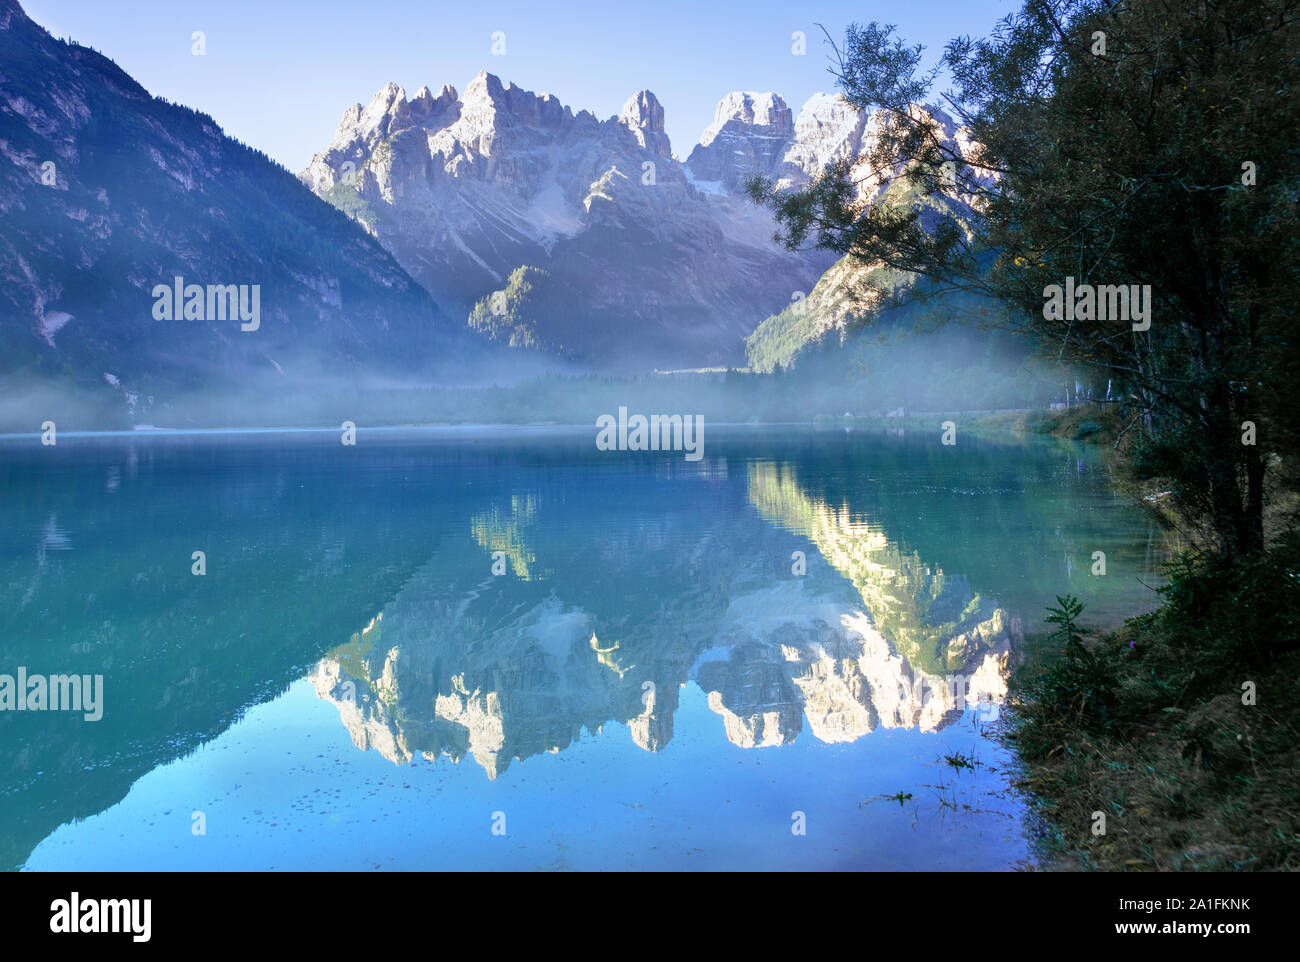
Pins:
<point x="647" y="683"/>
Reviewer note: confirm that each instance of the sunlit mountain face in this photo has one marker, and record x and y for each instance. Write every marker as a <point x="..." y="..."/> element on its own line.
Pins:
<point x="876" y="638"/>
<point x="637" y="660"/>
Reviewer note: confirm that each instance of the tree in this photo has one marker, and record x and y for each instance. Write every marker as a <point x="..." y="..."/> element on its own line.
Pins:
<point x="1144" y="143"/>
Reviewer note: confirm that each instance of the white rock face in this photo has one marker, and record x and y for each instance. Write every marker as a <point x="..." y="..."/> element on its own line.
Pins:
<point x="753" y="134"/>
<point x="644" y="116"/>
<point x="463" y="189"/>
<point x="750" y="133"/>
<point x="662" y="262"/>
<point x="828" y="129"/>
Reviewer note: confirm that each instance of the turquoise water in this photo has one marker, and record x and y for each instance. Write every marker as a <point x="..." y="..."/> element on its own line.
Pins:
<point x="505" y="649"/>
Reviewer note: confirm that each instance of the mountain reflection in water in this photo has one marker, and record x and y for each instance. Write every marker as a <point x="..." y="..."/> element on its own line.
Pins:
<point x="638" y="590"/>
<point x="511" y="666"/>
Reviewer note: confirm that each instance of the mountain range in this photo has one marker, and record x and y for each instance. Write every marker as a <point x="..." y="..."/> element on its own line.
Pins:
<point x="445" y="239"/>
<point x="590" y="238"/>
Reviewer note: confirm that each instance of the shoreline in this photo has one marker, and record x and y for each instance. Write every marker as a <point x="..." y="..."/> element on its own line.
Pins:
<point x="1016" y="421"/>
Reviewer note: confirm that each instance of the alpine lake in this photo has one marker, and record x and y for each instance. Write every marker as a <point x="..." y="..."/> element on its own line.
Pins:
<point x="504" y="648"/>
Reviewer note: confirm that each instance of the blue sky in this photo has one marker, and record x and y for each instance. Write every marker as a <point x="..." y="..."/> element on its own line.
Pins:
<point x="278" y="74"/>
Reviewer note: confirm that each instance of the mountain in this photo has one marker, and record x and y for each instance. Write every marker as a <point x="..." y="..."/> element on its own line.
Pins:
<point x="108" y="194"/>
<point x="757" y="133"/>
<point x="536" y="227"/>
<point x="636" y="258"/>
<point x="589" y="239"/>
<point x="848" y="296"/>
<point x="859" y="325"/>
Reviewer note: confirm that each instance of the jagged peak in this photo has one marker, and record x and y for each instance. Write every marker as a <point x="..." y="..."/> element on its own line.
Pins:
<point x="426" y="105"/>
<point x="643" y="115"/>
<point x="390" y="93"/>
<point x="751" y="106"/>
<point x="643" y="110"/>
<point x="486" y="94"/>
<point x="485" y="86"/>
<point x="751" y="109"/>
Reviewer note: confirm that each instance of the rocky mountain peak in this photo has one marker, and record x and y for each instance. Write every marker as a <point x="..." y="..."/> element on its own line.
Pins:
<point x="485" y="87"/>
<point x="465" y="191"/>
<point x="749" y="134"/>
<point x="505" y="178"/>
<point x="750" y="109"/>
<point x="389" y="103"/>
<point x="487" y="100"/>
<point x="754" y="133"/>
<point x="828" y="129"/>
<point x="426" y="105"/>
<point x="643" y="114"/>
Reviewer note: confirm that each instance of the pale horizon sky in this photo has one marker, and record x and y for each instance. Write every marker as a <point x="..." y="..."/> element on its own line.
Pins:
<point x="278" y="76"/>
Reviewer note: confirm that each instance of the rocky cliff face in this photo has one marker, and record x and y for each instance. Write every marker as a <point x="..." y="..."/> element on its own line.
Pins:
<point x="829" y="130"/>
<point x="755" y="133"/>
<point x="651" y="260"/>
<point x="651" y="268"/>
<point x="751" y="132"/>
